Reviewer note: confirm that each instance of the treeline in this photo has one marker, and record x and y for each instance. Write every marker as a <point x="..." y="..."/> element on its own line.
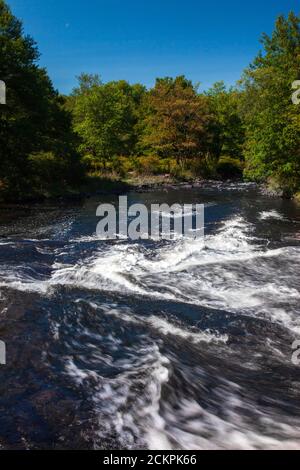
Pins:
<point x="52" y="144"/>
<point x="170" y="129"/>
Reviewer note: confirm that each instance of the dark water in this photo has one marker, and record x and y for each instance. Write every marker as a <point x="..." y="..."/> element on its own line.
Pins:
<point x="118" y="344"/>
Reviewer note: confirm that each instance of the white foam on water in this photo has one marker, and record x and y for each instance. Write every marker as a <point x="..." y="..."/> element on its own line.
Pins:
<point x="195" y="427"/>
<point x="17" y="278"/>
<point x="162" y="325"/>
<point x="230" y="270"/>
<point x="272" y="214"/>
<point x="130" y="406"/>
<point x="167" y="328"/>
<point x="231" y="433"/>
<point x="118" y="408"/>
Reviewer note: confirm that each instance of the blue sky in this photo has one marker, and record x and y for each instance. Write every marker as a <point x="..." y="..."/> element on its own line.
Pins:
<point x="139" y="40"/>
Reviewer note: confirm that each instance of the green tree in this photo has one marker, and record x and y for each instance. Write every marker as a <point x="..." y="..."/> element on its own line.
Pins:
<point x="272" y="120"/>
<point x="230" y="132"/>
<point x="34" y="119"/>
<point x="105" y="116"/>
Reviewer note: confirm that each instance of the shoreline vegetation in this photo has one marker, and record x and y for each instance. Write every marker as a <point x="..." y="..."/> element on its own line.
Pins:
<point x="109" y="137"/>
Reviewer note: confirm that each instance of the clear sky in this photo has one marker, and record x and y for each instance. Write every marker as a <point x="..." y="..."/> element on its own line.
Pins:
<point x="139" y="40"/>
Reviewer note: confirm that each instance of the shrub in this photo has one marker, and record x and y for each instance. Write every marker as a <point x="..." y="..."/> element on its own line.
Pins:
<point x="203" y="167"/>
<point x="149" y="165"/>
<point x="228" y="167"/>
<point x="46" y="168"/>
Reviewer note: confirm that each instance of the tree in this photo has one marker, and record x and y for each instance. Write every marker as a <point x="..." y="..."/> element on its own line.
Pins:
<point x="230" y="132"/>
<point x="34" y="119"/>
<point x="105" y="116"/>
<point x="179" y="121"/>
<point x="272" y="120"/>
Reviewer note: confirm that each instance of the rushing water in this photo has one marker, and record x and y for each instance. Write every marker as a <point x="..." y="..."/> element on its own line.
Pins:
<point x="159" y="345"/>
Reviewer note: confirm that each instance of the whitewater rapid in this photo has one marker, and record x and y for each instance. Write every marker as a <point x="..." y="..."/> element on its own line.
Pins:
<point x="230" y="270"/>
<point x="181" y="344"/>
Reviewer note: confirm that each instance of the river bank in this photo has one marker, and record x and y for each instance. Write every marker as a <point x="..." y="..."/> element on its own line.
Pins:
<point x="97" y="186"/>
<point x="94" y="186"/>
<point x="39" y="211"/>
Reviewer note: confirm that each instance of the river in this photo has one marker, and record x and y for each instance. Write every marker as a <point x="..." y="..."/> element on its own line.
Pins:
<point x="151" y="344"/>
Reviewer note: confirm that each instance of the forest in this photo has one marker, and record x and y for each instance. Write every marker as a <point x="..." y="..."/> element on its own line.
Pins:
<point x="53" y="145"/>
